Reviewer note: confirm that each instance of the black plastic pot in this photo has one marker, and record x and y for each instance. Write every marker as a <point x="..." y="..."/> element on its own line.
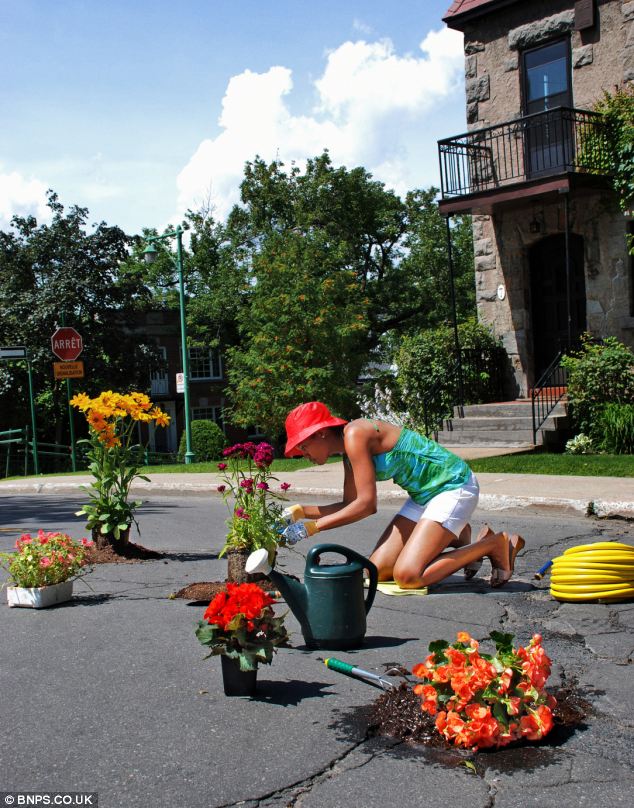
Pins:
<point x="235" y="681"/>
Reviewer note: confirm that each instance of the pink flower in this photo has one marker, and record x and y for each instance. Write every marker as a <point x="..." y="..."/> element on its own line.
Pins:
<point x="221" y="488"/>
<point x="222" y="466"/>
<point x="43" y="539"/>
<point x="241" y="513"/>
<point x="248" y="483"/>
<point x="45" y="561"/>
<point x="263" y="486"/>
<point x="86" y="542"/>
<point x="285" y="486"/>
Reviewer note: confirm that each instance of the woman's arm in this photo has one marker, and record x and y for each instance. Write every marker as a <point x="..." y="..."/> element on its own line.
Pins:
<point x="359" y="481"/>
<point x="349" y="494"/>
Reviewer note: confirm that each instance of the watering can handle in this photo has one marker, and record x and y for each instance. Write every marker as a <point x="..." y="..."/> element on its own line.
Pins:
<point x="315" y="552"/>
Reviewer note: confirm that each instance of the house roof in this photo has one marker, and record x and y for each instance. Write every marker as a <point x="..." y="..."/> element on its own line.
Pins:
<point x="461" y="10"/>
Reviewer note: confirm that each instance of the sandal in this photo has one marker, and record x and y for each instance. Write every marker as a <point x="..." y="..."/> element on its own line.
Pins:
<point x="499" y="576"/>
<point x="473" y="567"/>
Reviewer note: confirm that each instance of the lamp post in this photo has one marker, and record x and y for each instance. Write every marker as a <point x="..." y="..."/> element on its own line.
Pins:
<point x="149" y="255"/>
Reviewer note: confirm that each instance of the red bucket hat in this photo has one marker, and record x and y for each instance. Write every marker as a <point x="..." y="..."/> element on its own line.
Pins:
<point x="304" y="421"/>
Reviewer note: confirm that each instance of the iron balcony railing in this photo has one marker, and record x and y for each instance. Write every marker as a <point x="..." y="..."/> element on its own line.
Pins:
<point x="558" y="141"/>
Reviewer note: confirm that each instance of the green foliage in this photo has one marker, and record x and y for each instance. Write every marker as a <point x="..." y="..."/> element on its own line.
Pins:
<point x="208" y="441"/>
<point x="616" y="426"/>
<point x="618" y="111"/>
<point x="44" y="559"/>
<point x="302" y="335"/>
<point x="580" y="445"/>
<point x="312" y="273"/>
<point x="244" y="645"/>
<point x="425" y="384"/>
<point x="67" y="271"/>
<point x="254" y="510"/>
<point x="599" y="373"/>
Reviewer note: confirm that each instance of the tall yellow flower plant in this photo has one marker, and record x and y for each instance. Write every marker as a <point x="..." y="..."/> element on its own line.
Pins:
<point x="115" y="458"/>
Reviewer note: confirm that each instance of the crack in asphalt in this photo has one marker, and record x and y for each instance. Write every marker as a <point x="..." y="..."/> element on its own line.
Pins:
<point x="292" y="794"/>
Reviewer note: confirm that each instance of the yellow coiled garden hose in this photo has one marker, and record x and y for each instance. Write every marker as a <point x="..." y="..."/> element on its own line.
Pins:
<point x="603" y="571"/>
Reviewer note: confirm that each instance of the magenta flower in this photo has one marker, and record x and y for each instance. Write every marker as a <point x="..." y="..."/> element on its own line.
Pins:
<point x="285" y="486"/>
<point x="247" y="483"/>
<point x="222" y="466"/>
<point x="221" y="488"/>
<point x="263" y="486"/>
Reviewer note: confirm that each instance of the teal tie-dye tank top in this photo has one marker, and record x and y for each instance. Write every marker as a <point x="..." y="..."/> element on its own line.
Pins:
<point x="421" y="466"/>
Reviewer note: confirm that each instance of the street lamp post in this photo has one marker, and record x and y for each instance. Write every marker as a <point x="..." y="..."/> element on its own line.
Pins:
<point x="149" y="255"/>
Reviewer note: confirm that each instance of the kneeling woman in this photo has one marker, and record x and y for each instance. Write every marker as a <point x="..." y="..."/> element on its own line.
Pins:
<point x="443" y="493"/>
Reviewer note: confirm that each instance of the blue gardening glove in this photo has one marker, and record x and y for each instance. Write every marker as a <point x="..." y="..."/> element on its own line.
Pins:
<point x="289" y="516"/>
<point x="298" y="531"/>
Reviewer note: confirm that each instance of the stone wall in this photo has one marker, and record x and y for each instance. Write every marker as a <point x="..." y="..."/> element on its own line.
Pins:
<point x="502" y="272"/>
<point x="602" y="58"/>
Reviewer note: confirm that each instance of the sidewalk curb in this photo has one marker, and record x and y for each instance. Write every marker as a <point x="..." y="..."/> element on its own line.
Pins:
<point x="488" y="502"/>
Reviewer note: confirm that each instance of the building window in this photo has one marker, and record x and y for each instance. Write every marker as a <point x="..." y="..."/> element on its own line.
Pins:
<point x="205" y="363"/>
<point x="159" y="380"/>
<point x="546" y="77"/>
<point x="208" y="414"/>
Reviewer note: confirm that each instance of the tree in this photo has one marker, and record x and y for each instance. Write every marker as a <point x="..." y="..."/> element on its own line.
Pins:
<point x="63" y="271"/>
<point x="326" y="268"/>
<point x="302" y="335"/>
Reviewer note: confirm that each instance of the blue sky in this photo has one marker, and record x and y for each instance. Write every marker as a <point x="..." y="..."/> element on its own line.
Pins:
<point x="139" y="110"/>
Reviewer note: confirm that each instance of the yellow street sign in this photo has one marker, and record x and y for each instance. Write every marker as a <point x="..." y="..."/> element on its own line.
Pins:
<point x="68" y="370"/>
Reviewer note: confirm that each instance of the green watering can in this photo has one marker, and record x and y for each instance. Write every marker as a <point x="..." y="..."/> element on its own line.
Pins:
<point x="331" y="604"/>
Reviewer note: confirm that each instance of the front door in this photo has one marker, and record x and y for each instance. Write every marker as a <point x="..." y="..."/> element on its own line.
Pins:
<point x="549" y="297"/>
<point x="546" y="87"/>
<point x="163" y="438"/>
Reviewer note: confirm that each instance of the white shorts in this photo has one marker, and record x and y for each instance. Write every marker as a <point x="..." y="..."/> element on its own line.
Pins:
<point x="452" y="509"/>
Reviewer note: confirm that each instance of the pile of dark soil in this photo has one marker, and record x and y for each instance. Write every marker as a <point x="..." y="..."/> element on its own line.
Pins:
<point x="124" y="554"/>
<point x="207" y="591"/>
<point x="397" y="714"/>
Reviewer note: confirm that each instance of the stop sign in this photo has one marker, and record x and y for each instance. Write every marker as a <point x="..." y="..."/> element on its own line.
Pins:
<point x="67" y="344"/>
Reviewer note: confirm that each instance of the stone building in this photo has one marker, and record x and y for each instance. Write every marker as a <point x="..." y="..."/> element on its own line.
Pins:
<point x="551" y="259"/>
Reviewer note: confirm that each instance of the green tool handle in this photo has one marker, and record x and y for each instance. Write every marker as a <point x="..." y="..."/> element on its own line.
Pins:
<point x="339" y="666"/>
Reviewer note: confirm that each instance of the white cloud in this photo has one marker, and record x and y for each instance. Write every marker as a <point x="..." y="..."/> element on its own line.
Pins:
<point x="373" y="107"/>
<point x="21" y="197"/>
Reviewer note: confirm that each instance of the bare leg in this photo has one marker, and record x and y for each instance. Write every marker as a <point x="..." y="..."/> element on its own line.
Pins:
<point x="422" y="561"/>
<point x="390" y="546"/>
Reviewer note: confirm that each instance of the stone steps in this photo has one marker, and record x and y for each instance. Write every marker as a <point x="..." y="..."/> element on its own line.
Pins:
<point x="506" y="423"/>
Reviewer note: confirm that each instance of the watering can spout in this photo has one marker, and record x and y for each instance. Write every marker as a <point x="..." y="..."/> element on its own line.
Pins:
<point x="294" y="592"/>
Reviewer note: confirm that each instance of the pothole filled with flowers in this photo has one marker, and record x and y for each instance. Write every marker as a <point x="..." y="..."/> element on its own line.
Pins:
<point x="468" y="699"/>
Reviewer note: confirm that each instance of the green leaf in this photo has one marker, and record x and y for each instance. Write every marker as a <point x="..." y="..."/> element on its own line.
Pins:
<point x="438" y="646"/>
<point x="503" y="642"/>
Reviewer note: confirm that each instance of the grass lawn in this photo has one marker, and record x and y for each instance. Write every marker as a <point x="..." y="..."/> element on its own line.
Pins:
<point x="541" y="463"/>
<point x="279" y="466"/>
<point x="520" y="463"/>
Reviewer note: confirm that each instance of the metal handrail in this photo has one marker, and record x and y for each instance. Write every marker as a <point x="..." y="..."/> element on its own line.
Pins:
<point x="548" y="392"/>
<point x="555" y="141"/>
<point x="482" y="375"/>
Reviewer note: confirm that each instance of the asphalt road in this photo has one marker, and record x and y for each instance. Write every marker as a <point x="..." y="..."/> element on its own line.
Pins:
<point x="111" y="693"/>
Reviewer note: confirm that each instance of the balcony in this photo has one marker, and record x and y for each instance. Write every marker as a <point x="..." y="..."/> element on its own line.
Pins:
<point x="533" y="155"/>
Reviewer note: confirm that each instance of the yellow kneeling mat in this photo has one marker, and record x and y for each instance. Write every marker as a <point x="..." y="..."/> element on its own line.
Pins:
<point x="392" y="588"/>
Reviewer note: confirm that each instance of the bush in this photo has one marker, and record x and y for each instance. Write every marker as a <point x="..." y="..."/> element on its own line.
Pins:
<point x="580" y="445"/>
<point x="598" y="374"/>
<point x="616" y="425"/>
<point x="208" y="441"/>
<point x="426" y="381"/>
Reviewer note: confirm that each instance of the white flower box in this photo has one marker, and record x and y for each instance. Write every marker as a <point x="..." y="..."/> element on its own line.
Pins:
<point x="39" y="597"/>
